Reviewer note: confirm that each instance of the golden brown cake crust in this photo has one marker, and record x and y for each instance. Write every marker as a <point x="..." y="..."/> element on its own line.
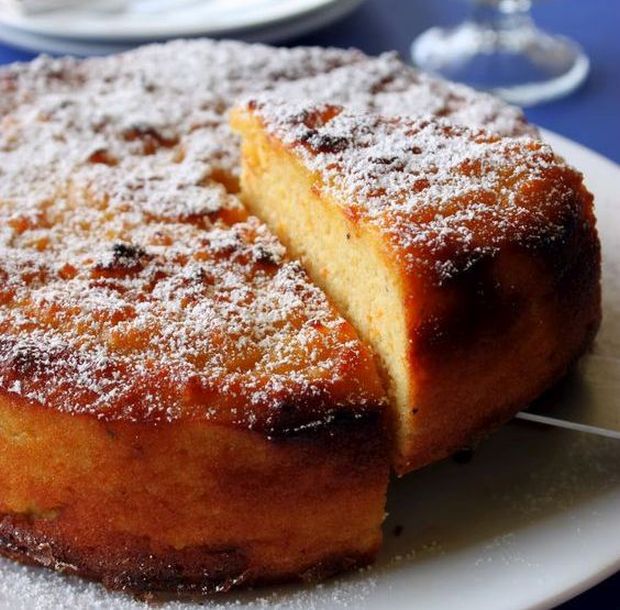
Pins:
<point x="187" y="506"/>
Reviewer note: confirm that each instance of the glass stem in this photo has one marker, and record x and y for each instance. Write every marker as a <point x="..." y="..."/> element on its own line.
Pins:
<point x="502" y="15"/>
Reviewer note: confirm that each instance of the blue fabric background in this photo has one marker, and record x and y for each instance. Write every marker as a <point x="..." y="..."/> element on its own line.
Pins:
<point x="589" y="116"/>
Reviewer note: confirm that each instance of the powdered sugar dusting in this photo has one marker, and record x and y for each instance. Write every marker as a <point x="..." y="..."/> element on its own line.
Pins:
<point x="174" y="98"/>
<point x="150" y="320"/>
<point x="385" y="85"/>
<point x="60" y="114"/>
<point x="441" y="194"/>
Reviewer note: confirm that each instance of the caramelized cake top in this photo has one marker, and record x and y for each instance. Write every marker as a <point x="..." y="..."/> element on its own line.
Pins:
<point x="106" y="310"/>
<point x="133" y="285"/>
<point x="442" y="196"/>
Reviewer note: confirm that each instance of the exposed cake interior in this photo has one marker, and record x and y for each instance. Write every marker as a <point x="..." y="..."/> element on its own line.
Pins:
<point x="346" y="259"/>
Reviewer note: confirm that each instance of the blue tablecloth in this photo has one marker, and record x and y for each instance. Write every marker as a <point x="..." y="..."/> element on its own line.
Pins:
<point x="589" y="116"/>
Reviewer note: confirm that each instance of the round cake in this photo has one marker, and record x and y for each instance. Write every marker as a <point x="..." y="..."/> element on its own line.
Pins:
<point x="181" y="407"/>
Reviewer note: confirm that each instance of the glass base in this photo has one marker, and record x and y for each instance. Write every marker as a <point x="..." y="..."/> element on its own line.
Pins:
<point x="523" y="65"/>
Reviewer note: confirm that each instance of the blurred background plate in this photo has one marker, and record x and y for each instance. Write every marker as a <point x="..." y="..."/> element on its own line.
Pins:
<point x="57" y="46"/>
<point x="98" y="31"/>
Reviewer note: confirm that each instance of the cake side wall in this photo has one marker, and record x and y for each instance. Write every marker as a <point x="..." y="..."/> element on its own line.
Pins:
<point x="187" y="506"/>
<point x="496" y="336"/>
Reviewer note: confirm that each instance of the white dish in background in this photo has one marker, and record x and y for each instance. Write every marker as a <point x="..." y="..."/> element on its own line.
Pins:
<point x="89" y="32"/>
<point x="531" y="521"/>
<point x="58" y="46"/>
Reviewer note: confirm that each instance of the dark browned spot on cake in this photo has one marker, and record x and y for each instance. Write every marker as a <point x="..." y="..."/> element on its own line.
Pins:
<point x="383" y="160"/>
<point x="151" y="138"/>
<point x="126" y="260"/>
<point x="264" y="256"/>
<point x="324" y="143"/>
<point x="475" y="307"/>
<point x="103" y="156"/>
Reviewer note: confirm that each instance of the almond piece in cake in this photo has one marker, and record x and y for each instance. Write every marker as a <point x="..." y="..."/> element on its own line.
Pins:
<point x="470" y="262"/>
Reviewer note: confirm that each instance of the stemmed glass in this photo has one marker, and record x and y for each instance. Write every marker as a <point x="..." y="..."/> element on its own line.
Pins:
<point x="500" y="49"/>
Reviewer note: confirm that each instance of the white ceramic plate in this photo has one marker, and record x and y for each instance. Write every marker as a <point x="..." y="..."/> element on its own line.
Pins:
<point x="531" y="521"/>
<point x="255" y="19"/>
